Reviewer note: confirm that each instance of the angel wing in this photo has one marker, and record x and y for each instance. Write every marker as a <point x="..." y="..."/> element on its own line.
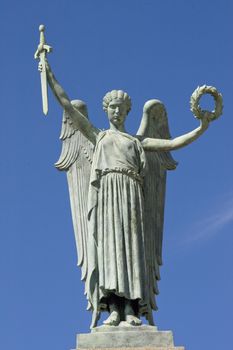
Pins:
<point x="154" y="124"/>
<point x="76" y="159"/>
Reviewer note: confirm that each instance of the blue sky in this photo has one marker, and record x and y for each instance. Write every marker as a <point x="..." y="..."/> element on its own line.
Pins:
<point x="151" y="49"/>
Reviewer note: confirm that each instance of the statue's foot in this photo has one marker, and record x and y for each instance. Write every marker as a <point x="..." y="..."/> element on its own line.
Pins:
<point x="113" y="320"/>
<point x="133" y="320"/>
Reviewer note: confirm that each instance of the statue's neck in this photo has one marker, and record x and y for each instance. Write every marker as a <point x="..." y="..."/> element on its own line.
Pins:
<point x="117" y="127"/>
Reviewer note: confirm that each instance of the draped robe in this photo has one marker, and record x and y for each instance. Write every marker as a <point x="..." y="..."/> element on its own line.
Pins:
<point x="116" y="236"/>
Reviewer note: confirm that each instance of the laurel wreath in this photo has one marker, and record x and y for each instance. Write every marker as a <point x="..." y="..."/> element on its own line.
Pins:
<point x="195" y="99"/>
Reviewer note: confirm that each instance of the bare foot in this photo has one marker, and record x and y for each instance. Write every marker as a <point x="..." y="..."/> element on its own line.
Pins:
<point x="133" y="320"/>
<point x="113" y="319"/>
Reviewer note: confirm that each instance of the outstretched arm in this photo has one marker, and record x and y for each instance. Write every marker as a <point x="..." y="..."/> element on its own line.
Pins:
<point x="79" y="121"/>
<point x="150" y="144"/>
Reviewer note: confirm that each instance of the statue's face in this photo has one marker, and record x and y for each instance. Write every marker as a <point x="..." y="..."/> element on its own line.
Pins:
<point x="117" y="112"/>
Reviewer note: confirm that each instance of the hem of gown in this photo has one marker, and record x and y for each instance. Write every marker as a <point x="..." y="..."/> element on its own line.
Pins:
<point x="103" y="306"/>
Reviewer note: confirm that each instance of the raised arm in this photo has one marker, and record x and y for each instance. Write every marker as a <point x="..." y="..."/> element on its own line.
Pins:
<point x="150" y="144"/>
<point x="82" y="123"/>
<point x="78" y="119"/>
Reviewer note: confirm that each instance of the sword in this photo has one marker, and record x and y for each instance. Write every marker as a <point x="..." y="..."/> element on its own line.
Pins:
<point x="40" y="53"/>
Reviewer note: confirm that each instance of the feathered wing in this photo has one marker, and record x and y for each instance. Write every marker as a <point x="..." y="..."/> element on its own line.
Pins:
<point x="75" y="159"/>
<point x="154" y="124"/>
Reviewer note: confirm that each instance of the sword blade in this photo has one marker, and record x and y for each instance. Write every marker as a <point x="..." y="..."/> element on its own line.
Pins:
<point x="43" y="78"/>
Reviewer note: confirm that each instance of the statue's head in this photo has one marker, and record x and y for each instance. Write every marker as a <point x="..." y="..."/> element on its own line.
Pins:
<point x="117" y="105"/>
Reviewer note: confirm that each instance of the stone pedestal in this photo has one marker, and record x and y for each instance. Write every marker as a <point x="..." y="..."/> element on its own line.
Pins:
<point x="125" y="337"/>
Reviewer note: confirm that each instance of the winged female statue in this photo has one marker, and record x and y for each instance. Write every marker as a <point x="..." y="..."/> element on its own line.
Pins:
<point x="117" y="188"/>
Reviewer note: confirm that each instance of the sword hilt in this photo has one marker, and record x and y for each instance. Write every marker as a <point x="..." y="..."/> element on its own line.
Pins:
<point x="41" y="30"/>
<point x="42" y="45"/>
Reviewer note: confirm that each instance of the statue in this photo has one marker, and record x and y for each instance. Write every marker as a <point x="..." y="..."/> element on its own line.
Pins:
<point x="117" y="192"/>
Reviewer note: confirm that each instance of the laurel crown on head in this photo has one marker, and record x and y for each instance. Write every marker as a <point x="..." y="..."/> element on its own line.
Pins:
<point x="116" y="95"/>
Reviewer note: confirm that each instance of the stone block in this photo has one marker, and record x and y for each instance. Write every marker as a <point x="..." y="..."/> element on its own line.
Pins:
<point x="124" y="337"/>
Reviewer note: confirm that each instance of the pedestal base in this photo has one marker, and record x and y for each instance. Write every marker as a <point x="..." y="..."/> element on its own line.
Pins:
<point x="124" y="337"/>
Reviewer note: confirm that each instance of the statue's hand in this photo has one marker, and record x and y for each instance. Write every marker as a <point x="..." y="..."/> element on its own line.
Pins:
<point x="40" y="67"/>
<point x="205" y="119"/>
<point x="207" y="116"/>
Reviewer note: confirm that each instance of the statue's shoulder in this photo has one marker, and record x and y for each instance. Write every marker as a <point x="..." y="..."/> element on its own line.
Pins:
<point x="100" y="136"/>
<point x="102" y="133"/>
<point x="138" y="139"/>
